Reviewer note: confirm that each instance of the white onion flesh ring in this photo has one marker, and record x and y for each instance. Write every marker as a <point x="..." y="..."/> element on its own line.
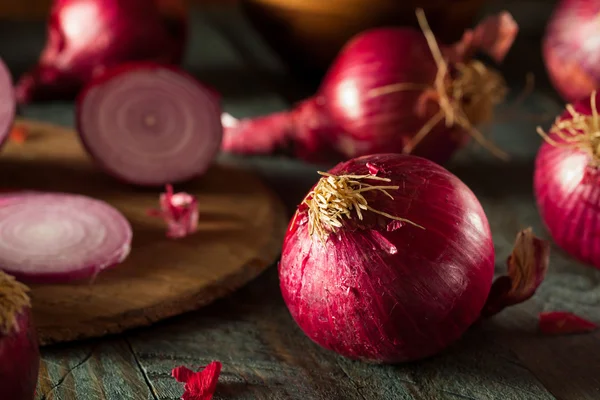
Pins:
<point x="150" y="125"/>
<point x="7" y="102"/>
<point x="60" y="237"/>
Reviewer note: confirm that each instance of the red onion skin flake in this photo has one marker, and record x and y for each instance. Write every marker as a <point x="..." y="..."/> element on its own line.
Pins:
<point x="564" y="323"/>
<point x="380" y="94"/>
<point x="200" y="385"/>
<point x="150" y="124"/>
<point x="567" y="186"/>
<point x="179" y="211"/>
<point x="19" y="351"/>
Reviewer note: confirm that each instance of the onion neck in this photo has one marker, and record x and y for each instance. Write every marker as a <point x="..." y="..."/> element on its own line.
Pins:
<point x="13" y="300"/>
<point x="335" y="197"/>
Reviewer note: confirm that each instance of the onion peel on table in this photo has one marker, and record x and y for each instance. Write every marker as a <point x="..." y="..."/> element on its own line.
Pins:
<point x="527" y="266"/>
<point x="200" y="385"/>
<point x="179" y="211"/>
<point x="564" y="323"/>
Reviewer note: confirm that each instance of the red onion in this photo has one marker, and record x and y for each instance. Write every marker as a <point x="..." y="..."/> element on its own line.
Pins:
<point x="85" y="37"/>
<point x="7" y="102"/>
<point x="567" y="180"/>
<point x="19" y="351"/>
<point x="571" y="48"/>
<point x="149" y="124"/>
<point x="390" y="90"/>
<point x="60" y="237"/>
<point x="179" y="211"/>
<point x="390" y="258"/>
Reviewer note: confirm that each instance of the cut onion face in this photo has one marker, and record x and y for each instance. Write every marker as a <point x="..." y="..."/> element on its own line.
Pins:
<point x="60" y="237"/>
<point x="7" y="102"/>
<point x="150" y="125"/>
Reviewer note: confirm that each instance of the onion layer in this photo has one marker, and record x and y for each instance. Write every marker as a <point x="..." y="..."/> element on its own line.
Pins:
<point x="567" y="180"/>
<point x="85" y="37"/>
<point x="19" y="351"/>
<point x="59" y="237"/>
<point x="149" y="124"/>
<point x="7" y="102"/>
<point x="390" y="90"/>
<point x="387" y="268"/>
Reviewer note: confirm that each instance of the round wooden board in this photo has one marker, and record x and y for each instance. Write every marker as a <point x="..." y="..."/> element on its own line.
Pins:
<point x="240" y="234"/>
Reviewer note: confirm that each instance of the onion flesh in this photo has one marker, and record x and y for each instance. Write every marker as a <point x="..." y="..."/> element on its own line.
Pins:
<point x="390" y="258"/>
<point x="389" y="90"/>
<point x="7" y="102"/>
<point x="567" y="181"/>
<point x="19" y="350"/>
<point x="60" y="237"/>
<point x="150" y="124"/>
<point x="86" y="37"/>
<point x="571" y="49"/>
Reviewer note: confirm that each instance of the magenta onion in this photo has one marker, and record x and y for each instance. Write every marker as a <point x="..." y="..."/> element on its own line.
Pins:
<point x="390" y="258"/>
<point x="149" y="124"/>
<point x="389" y="90"/>
<point x="567" y="180"/>
<point x="19" y="351"/>
<point x="7" y="102"/>
<point x="60" y="237"/>
<point x="85" y="37"/>
<point x="571" y="48"/>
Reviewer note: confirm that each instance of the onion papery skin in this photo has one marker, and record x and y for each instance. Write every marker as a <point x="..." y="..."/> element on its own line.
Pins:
<point x="110" y="112"/>
<point x="567" y="192"/>
<point x="392" y="295"/>
<point x="86" y="37"/>
<point x="60" y="237"/>
<point x="19" y="360"/>
<point x="7" y="102"/>
<point x="570" y="48"/>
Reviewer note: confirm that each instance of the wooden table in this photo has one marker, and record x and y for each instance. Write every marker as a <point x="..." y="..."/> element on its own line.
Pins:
<point x="265" y="356"/>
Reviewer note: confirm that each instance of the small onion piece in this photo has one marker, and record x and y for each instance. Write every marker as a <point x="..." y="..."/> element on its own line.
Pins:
<point x="389" y="258"/>
<point x="60" y="237"/>
<point x="149" y="124"/>
<point x="19" y="350"/>
<point x="567" y="180"/>
<point x="7" y="102"/>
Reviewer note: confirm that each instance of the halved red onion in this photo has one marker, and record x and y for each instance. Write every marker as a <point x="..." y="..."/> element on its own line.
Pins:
<point x="60" y="237"/>
<point x="7" y="102"/>
<point x="149" y="124"/>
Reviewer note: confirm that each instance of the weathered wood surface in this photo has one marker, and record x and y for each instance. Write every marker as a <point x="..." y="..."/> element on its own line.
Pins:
<point x="265" y="356"/>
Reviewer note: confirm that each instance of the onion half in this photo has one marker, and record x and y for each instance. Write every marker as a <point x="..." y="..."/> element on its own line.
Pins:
<point x="567" y="180"/>
<point x="390" y="258"/>
<point x="7" y="102"/>
<point x="150" y="124"/>
<point x="60" y="237"/>
<point x="19" y="351"/>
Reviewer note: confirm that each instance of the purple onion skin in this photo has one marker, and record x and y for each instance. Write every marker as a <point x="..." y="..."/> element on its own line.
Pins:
<point x="391" y="296"/>
<point x="570" y="48"/>
<point x="567" y="192"/>
<point x="384" y="124"/>
<point x="19" y="361"/>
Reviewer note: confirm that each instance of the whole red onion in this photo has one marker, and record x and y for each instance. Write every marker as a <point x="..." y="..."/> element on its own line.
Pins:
<point x="567" y="180"/>
<point x="389" y="90"/>
<point x="19" y="351"/>
<point x="571" y="48"/>
<point x="389" y="258"/>
<point x="85" y="37"/>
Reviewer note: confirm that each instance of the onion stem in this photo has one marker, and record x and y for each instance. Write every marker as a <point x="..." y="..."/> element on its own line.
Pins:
<point x="13" y="299"/>
<point x="335" y="196"/>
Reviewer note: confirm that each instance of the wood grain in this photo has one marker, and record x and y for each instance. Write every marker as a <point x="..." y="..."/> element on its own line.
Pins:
<point x="240" y="234"/>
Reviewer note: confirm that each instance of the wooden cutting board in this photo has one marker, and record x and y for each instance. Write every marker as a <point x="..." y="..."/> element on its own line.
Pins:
<point x="240" y="234"/>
